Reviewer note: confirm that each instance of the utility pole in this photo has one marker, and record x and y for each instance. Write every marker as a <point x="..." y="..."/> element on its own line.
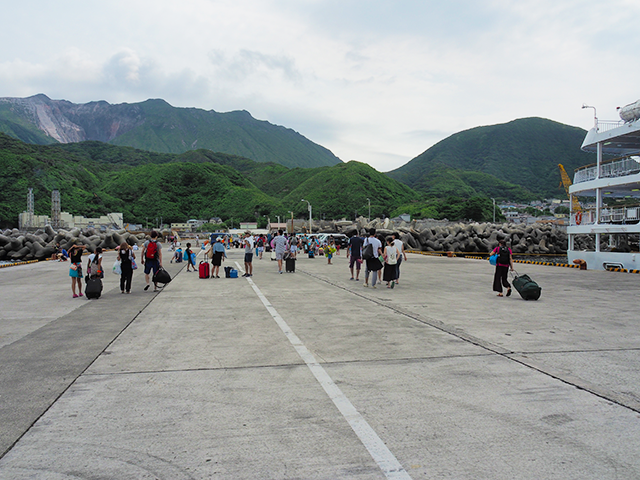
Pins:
<point x="494" y="210"/>
<point x="310" y="221"/>
<point x="369" y="218"/>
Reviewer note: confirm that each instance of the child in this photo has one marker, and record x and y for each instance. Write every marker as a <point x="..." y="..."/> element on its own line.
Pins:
<point x="187" y="254"/>
<point x="330" y="250"/>
<point x="391" y="255"/>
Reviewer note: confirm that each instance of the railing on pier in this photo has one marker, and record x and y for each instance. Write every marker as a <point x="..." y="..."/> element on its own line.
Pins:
<point x="619" y="167"/>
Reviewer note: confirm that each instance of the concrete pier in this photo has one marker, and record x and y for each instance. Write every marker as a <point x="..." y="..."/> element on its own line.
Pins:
<point x="312" y="376"/>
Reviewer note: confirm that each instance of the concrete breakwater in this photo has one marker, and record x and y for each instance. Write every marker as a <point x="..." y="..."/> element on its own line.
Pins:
<point x="41" y="244"/>
<point x="542" y="239"/>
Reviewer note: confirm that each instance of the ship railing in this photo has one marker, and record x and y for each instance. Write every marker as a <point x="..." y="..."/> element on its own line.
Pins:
<point x="585" y="174"/>
<point x="619" y="167"/>
<point x="606" y="125"/>
<point x="617" y="215"/>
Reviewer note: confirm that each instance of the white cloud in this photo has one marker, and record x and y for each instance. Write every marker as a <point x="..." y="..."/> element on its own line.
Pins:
<point x="359" y="77"/>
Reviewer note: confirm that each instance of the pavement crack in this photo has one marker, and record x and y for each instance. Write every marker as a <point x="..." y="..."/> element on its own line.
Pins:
<point x="517" y="357"/>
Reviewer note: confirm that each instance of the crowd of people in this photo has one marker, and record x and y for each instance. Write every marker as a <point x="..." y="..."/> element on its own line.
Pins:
<point x="381" y="257"/>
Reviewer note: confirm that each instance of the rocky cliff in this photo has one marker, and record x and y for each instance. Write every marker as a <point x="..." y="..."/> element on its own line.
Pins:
<point x="155" y="125"/>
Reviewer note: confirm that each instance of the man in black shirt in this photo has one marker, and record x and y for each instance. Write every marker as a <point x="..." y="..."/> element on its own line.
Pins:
<point x="354" y="253"/>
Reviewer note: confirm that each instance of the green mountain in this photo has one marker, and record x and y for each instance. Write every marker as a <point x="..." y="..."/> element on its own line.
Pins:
<point x="169" y="187"/>
<point x="342" y="191"/>
<point x="155" y="125"/>
<point x="515" y="161"/>
<point x="95" y="178"/>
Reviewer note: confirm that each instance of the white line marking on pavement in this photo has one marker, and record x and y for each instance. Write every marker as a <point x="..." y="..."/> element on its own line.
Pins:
<point x="386" y="460"/>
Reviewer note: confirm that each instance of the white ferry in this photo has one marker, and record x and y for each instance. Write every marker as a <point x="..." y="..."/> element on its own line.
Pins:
<point x="614" y="229"/>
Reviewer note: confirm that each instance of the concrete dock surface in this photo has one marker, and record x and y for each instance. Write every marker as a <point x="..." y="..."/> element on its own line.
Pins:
<point x="310" y="375"/>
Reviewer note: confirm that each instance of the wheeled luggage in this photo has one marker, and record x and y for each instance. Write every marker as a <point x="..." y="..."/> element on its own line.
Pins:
<point x="227" y="272"/>
<point x="527" y="288"/>
<point x="204" y="270"/>
<point x="233" y="273"/>
<point x="290" y="265"/>
<point x="93" y="288"/>
<point x="162" y="276"/>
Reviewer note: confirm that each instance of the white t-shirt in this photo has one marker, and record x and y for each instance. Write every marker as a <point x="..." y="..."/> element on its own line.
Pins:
<point x="377" y="244"/>
<point x="399" y="245"/>
<point x="248" y="247"/>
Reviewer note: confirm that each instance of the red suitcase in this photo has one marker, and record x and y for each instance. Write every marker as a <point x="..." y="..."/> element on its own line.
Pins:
<point x="204" y="269"/>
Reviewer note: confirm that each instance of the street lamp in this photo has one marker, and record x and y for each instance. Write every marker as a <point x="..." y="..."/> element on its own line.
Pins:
<point x="494" y="210"/>
<point x="595" y="118"/>
<point x="310" y="222"/>
<point x="369" y="219"/>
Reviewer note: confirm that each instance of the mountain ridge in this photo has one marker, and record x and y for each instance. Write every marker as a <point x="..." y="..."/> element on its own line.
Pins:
<point x="524" y="152"/>
<point x="155" y="125"/>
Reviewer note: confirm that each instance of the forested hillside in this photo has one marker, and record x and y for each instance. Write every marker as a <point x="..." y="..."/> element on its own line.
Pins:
<point x="523" y="153"/>
<point x="96" y="178"/>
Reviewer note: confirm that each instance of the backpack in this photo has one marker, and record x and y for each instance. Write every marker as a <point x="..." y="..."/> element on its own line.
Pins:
<point x="367" y="253"/>
<point x="152" y="250"/>
<point x="503" y="256"/>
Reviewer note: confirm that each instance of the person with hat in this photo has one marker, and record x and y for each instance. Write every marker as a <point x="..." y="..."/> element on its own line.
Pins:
<point x="248" y="254"/>
<point x="217" y="253"/>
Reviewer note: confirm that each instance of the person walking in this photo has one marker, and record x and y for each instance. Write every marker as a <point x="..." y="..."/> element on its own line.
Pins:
<point x="94" y="264"/>
<point x="503" y="264"/>
<point x="191" y="267"/>
<point x="75" y="270"/>
<point x="280" y="246"/>
<point x="391" y="255"/>
<point x="218" y="254"/>
<point x="151" y="258"/>
<point x="126" y="256"/>
<point x="373" y="263"/>
<point x="354" y="254"/>
<point x="260" y="246"/>
<point x="330" y="250"/>
<point x="248" y="254"/>
<point x="402" y="257"/>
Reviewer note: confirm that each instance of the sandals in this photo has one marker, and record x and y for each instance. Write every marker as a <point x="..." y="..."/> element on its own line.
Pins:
<point x="509" y="292"/>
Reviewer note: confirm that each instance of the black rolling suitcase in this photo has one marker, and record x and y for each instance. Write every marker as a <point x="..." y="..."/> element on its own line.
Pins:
<point x="526" y="287"/>
<point x="93" y="288"/>
<point x="290" y="265"/>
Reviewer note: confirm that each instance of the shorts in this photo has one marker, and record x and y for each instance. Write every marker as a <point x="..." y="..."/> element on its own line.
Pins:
<point x="150" y="264"/>
<point x="279" y="255"/>
<point x="357" y="261"/>
<point x="248" y="257"/>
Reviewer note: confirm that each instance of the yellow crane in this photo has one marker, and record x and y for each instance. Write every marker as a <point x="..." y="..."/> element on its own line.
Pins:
<point x="575" y="204"/>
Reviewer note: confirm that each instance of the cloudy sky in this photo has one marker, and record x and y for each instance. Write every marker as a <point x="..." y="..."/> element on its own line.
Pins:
<point x="374" y="81"/>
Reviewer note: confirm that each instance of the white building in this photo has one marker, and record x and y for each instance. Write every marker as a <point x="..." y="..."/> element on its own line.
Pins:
<point x="68" y="221"/>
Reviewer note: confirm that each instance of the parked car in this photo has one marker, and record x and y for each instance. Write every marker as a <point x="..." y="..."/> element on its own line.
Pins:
<point x="340" y="238"/>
